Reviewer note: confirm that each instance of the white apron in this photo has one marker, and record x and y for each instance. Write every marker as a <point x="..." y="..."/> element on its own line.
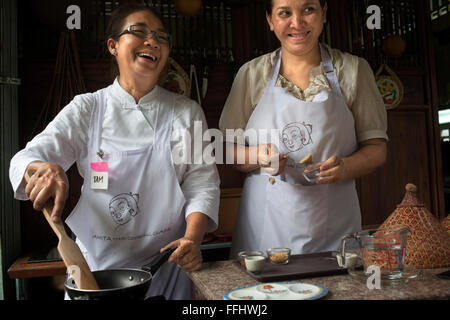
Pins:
<point x="142" y="210"/>
<point x="304" y="218"/>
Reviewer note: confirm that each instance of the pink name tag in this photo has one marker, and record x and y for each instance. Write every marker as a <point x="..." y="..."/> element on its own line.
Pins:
<point x="99" y="166"/>
<point x="99" y="175"/>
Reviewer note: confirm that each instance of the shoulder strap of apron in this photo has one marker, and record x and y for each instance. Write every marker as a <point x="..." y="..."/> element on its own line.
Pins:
<point x="329" y="70"/>
<point x="163" y="127"/>
<point x="275" y="71"/>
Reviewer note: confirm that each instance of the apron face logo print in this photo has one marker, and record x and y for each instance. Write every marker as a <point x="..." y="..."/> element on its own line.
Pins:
<point x="124" y="207"/>
<point x="296" y="135"/>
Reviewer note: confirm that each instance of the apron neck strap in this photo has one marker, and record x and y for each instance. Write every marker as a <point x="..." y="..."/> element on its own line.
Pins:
<point x="329" y="70"/>
<point x="327" y="66"/>
<point x="275" y="70"/>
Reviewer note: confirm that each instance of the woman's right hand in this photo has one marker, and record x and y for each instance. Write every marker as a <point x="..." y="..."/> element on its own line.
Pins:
<point x="270" y="160"/>
<point x="48" y="181"/>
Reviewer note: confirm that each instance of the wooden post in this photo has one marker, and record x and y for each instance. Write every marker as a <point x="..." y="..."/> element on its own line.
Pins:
<point x="9" y="144"/>
<point x="425" y="36"/>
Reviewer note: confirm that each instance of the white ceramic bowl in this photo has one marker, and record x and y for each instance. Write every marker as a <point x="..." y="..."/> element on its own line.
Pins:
<point x="243" y="254"/>
<point x="255" y="264"/>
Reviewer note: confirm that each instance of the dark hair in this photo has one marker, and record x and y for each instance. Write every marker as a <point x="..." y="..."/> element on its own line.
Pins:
<point x="116" y="25"/>
<point x="269" y="5"/>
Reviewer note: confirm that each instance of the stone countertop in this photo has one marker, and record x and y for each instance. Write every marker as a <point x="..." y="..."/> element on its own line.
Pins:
<point x="218" y="277"/>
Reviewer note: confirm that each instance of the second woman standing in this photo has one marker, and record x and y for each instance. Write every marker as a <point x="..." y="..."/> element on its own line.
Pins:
<point x="324" y="103"/>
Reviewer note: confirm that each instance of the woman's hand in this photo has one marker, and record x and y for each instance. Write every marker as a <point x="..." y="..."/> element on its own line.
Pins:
<point x="187" y="255"/>
<point x="270" y="160"/>
<point x="332" y="170"/>
<point x="371" y="154"/>
<point x="48" y="181"/>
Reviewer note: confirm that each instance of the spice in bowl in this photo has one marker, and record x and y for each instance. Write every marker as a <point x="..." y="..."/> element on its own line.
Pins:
<point x="279" y="255"/>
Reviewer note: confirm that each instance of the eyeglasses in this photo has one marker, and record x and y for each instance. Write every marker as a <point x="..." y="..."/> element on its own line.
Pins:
<point x="145" y="33"/>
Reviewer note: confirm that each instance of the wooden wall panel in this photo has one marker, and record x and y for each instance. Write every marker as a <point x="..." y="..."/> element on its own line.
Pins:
<point x="413" y="83"/>
<point x="407" y="162"/>
<point x="229" y="203"/>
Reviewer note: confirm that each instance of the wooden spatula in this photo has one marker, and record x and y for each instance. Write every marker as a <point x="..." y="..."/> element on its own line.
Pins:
<point x="68" y="249"/>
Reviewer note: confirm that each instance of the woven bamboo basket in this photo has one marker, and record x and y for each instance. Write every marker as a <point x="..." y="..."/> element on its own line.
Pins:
<point x="446" y="224"/>
<point x="428" y="244"/>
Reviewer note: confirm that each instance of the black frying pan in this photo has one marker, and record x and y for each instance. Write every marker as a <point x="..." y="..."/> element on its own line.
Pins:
<point x="123" y="284"/>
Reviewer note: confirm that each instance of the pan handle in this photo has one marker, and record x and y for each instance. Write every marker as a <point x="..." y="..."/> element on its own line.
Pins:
<point x="154" y="265"/>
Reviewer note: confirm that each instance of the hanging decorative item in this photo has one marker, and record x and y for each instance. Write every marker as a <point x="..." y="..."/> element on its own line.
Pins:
<point x="394" y="46"/>
<point x="175" y="79"/>
<point x="67" y="81"/>
<point x="205" y="82"/>
<point x="390" y="87"/>
<point x="194" y="80"/>
<point x="188" y="8"/>
<point x="428" y="244"/>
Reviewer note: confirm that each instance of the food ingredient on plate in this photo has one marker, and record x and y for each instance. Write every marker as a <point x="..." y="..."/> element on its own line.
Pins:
<point x="272" y="180"/>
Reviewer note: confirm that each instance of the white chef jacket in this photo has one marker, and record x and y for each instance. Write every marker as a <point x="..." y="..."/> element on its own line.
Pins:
<point x="126" y="126"/>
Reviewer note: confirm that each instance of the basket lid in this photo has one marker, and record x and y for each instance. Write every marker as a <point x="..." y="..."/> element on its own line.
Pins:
<point x="445" y="223"/>
<point x="428" y="244"/>
<point x="410" y="199"/>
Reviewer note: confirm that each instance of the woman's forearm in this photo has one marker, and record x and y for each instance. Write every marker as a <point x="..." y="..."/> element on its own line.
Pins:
<point x="196" y="225"/>
<point x="371" y="155"/>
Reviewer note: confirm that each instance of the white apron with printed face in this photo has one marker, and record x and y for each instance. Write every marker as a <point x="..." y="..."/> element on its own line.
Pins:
<point x="142" y="209"/>
<point x="304" y="218"/>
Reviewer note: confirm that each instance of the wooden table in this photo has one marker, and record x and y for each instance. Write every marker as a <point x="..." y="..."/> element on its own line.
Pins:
<point x="21" y="270"/>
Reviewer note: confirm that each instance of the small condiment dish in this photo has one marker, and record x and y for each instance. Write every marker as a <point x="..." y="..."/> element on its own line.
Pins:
<point x="243" y="254"/>
<point x="312" y="172"/>
<point x="255" y="264"/>
<point x="279" y="255"/>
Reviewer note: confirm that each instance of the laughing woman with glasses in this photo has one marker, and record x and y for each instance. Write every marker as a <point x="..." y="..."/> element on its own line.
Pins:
<point x="128" y="132"/>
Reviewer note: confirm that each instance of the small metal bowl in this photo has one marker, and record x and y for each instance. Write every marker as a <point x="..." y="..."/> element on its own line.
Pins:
<point x="279" y="255"/>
